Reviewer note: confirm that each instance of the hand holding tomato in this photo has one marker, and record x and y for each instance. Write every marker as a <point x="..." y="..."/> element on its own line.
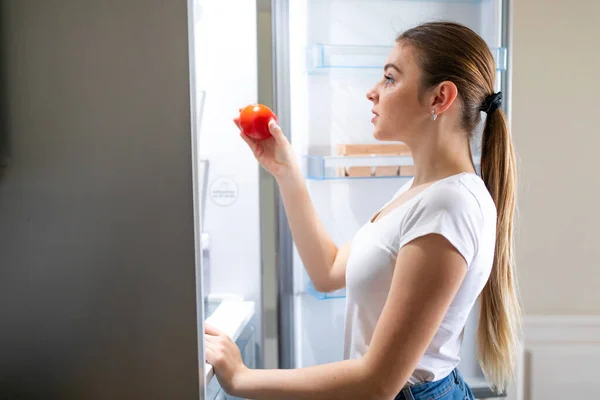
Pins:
<point x="260" y="131"/>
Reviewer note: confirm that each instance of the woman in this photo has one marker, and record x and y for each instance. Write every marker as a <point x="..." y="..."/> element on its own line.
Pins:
<point x="414" y="271"/>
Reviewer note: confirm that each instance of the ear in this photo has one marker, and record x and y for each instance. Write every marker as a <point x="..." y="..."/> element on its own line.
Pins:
<point x="442" y="96"/>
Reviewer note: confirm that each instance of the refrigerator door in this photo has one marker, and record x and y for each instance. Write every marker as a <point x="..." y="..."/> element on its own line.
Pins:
<point x="327" y="54"/>
<point x="98" y="258"/>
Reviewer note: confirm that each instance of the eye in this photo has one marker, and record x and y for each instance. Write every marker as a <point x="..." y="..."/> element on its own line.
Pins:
<point x="388" y="79"/>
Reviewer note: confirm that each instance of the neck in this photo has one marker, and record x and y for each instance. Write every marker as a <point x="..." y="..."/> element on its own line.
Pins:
<point x="438" y="156"/>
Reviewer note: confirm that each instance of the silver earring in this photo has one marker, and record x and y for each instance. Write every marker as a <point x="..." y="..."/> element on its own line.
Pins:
<point x="433" y="115"/>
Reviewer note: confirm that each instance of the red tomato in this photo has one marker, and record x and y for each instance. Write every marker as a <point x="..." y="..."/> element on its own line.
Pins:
<point x="254" y="121"/>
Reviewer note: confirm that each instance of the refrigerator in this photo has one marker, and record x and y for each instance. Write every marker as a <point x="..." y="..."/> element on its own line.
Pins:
<point x="132" y="213"/>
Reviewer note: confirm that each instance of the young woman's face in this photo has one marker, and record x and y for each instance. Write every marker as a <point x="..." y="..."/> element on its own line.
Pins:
<point x="398" y="113"/>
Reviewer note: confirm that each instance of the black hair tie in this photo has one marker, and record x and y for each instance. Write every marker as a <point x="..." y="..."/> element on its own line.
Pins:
<point x="492" y="103"/>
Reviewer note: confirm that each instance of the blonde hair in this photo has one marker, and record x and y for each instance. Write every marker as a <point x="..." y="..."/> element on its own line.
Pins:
<point x="448" y="51"/>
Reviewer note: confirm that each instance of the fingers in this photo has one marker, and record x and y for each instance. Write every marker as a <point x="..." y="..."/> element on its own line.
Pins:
<point x="236" y="121"/>
<point x="252" y="143"/>
<point x="216" y="350"/>
<point x="275" y="130"/>
<point x="210" y="354"/>
<point x="249" y="141"/>
<point x="210" y="339"/>
<point x="211" y="345"/>
<point x="211" y="330"/>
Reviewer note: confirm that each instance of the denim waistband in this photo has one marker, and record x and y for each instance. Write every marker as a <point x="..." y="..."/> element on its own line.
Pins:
<point x="433" y="390"/>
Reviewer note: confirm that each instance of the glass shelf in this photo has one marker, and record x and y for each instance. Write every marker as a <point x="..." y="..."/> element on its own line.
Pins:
<point x="324" y="57"/>
<point x="361" y="167"/>
<point x="338" y="294"/>
<point x="357" y="167"/>
<point x="437" y="1"/>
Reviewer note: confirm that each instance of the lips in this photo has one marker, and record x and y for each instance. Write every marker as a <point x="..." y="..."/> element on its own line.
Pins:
<point x="375" y="116"/>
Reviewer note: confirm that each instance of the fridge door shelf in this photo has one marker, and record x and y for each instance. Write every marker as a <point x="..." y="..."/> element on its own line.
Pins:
<point x="338" y="294"/>
<point x="437" y="1"/>
<point x="320" y="168"/>
<point x="324" y="57"/>
<point x="356" y="167"/>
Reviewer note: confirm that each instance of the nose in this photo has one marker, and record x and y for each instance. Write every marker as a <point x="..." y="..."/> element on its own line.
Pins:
<point x="372" y="94"/>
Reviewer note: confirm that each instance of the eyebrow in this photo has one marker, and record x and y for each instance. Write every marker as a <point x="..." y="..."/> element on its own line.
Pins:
<point x="391" y="66"/>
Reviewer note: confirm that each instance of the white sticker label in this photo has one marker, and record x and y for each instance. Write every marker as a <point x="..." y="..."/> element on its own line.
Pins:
<point x="223" y="192"/>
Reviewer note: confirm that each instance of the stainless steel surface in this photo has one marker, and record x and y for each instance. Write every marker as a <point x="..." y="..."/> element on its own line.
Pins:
<point x="201" y="252"/>
<point x="205" y="169"/>
<point x="269" y="201"/>
<point x="280" y="15"/>
<point x="507" y="41"/>
<point x="484" y="392"/>
<point x="97" y="249"/>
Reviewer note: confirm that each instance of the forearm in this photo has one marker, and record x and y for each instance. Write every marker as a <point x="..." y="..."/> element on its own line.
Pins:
<point x="342" y="380"/>
<point x="315" y="246"/>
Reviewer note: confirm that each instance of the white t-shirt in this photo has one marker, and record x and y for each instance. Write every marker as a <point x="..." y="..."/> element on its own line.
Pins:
<point x="458" y="207"/>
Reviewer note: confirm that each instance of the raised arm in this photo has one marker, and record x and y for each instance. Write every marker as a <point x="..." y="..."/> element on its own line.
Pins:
<point x="323" y="260"/>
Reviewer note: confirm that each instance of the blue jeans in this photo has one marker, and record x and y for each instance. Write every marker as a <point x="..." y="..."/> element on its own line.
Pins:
<point x="452" y="387"/>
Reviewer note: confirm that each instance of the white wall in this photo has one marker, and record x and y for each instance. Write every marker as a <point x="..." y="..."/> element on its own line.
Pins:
<point x="557" y="136"/>
<point x="561" y="360"/>
<point x="556" y="133"/>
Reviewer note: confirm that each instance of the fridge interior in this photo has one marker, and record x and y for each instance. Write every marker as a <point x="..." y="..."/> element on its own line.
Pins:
<point x="337" y="51"/>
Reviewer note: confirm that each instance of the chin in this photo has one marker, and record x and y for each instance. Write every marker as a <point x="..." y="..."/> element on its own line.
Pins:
<point x="377" y="135"/>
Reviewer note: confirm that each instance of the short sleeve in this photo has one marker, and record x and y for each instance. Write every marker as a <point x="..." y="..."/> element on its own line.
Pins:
<point x="449" y="210"/>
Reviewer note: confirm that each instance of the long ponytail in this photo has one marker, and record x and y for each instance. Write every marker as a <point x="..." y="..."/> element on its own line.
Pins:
<point x="448" y="51"/>
<point x="500" y="312"/>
